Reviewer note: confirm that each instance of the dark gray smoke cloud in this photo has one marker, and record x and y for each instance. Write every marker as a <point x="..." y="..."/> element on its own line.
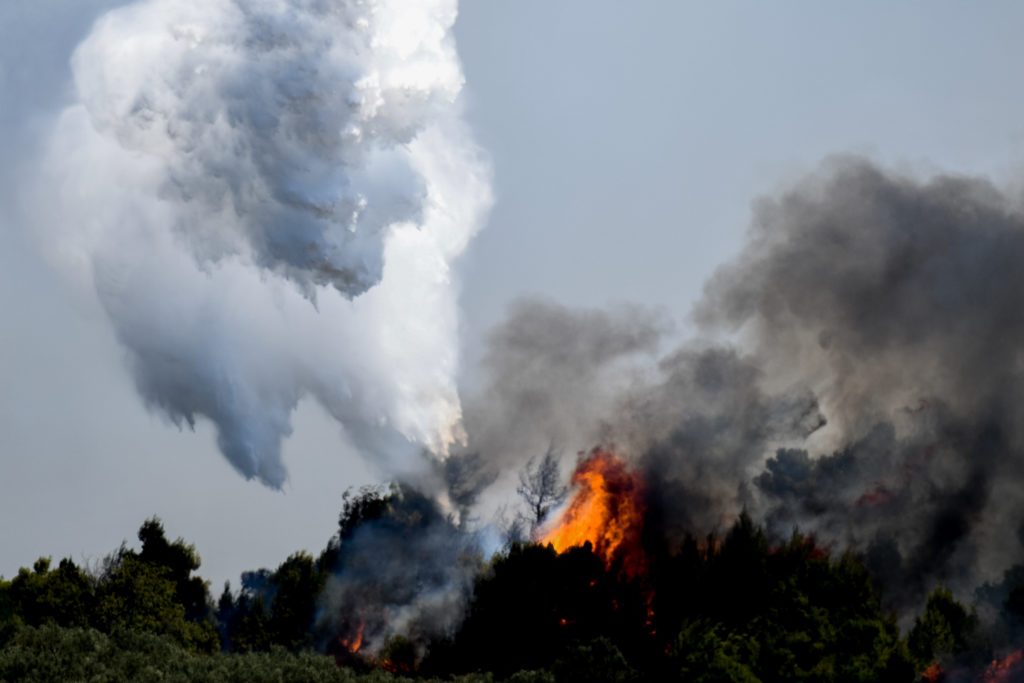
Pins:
<point x="701" y="430"/>
<point x="865" y="383"/>
<point x="572" y="379"/>
<point x="900" y="304"/>
<point x="554" y="375"/>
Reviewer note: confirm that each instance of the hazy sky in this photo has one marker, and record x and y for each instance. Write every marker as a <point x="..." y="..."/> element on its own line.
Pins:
<point x="627" y="143"/>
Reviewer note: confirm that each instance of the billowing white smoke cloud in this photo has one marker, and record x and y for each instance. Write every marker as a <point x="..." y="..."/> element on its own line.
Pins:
<point x="267" y="198"/>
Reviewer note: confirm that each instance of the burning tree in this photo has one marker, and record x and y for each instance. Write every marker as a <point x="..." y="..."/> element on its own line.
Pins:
<point x="398" y="565"/>
<point x="606" y="511"/>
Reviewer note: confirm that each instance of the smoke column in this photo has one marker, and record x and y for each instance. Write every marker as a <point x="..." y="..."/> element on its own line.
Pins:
<point x="857" y="374"/>
<point x="900" y="304"/>
<point x="266" y="199"/>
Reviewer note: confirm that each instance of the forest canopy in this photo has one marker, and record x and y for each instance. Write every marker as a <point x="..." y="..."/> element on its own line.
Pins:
<point x="742" y="607"/>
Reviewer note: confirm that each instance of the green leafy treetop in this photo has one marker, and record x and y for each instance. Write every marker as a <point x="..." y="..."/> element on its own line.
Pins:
<point x="152" y="590"/>
<point x="140" y="596"/>
<point x="179" y="559"/>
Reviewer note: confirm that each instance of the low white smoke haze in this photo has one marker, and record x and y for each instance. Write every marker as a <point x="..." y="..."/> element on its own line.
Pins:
<point x="266" y="199"/>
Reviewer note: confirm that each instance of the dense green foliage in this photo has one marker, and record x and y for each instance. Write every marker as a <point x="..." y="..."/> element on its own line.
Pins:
<point x="152" y="591"/>
<point x="732" y="609"/>
<point x="51" y="653"/>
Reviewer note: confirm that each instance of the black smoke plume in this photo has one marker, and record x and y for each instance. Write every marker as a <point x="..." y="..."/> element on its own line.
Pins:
<point x="858" y="375"/>
<point x="899" y="305"/>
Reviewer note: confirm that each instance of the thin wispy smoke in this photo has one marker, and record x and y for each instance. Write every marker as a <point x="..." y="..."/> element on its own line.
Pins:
<point x="267" y="199"/>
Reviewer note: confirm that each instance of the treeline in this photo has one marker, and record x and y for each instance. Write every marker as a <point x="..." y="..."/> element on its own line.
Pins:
<point x="729" y="610"/>
<point x="153" y="591"/>
<point x="736" y="608"/>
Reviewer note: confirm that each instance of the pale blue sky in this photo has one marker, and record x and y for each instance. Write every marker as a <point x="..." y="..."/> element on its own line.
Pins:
<point x="628" y="141"/>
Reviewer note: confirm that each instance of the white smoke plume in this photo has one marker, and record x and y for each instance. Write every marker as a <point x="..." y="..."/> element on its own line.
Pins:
<point x="267" y="198"/>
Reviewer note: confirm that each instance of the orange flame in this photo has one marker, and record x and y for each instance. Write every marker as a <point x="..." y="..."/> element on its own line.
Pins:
<point x="353" y="644"/>
<point x="932" y="673"/>
<point x="607" y="510"/>
<point x="394" y="667"/>
<point x="1005" y="669"/>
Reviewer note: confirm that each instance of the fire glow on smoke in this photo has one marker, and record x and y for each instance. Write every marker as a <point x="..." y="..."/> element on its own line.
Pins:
<point x="606" y="510"/>
<point x="1007" y="669"/>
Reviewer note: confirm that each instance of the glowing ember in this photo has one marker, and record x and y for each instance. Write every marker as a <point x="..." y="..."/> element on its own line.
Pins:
<point x="879" y="495"/>
<point x="1005" y="669"/>
<point x="932" y="673"/>
<point x="607" y="510"/>
<point x="352" y="644"/>
<point x="395" y="667"/>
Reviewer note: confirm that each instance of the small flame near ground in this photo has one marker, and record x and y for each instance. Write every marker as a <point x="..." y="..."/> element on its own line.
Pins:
<point x="607" y="510"/>
<point x="1005" y="670"/>
<point x="353" y="643"/>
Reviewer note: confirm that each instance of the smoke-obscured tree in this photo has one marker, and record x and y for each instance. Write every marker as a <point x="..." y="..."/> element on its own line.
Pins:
<point x="246" y="623"/>
<point x="678" y="584"/>
<point x="1003" y="602"/>
<point x="946" y="632"/>
<point x="511" y="625"/>
<point x="748" y="611"/>
<point x="512" y="529"/>
<point x="298" y="585"/>
<point x="541" y="488"/>
<point x="398" y="557"/>
<point x="738" y="572"/>
<point x="370" y="503"/>
<point x="465" y="476"/>
<point x="533" y="604"/>
<point x="823" y="619"/>
<point x="399" y="654"/>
